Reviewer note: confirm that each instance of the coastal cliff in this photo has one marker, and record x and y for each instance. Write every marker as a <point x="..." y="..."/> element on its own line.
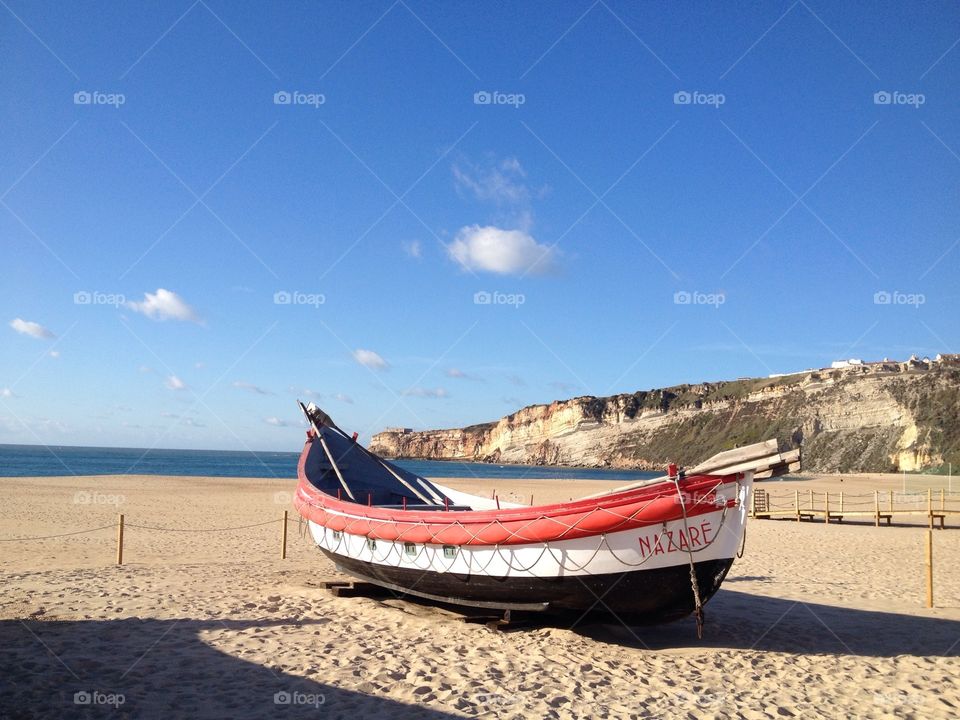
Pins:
<point x="876" y="417"/>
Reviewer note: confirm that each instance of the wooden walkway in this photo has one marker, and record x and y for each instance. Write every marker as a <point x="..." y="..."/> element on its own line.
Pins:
<point x="880" y="506"/>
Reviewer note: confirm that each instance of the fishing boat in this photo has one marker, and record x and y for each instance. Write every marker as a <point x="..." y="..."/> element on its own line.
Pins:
<point x="655" y="550"/>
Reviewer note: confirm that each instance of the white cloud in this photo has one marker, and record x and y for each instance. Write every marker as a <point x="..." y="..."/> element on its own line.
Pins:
<point x="164" y="305"/>
<point x="36" y="330"/>
<point x="502" y="184"/>
<point x="429" y="393"/>
<point x="343" y="398"/>
<point x="54" y="353"/>
<point x="305" y="392"/>
<point x="175" y="383"/>
<point x="7" y="393"/>
<point x="250" y="387"/>
<point x="506" y="252"/>
<point x="459" y="374"/>
<point x="413" y="249"/>
<point x="277" y="422"/>
<point x="370" y="359"/>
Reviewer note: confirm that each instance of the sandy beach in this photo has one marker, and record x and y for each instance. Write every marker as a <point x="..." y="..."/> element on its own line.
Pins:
<point x="814" y="620"/>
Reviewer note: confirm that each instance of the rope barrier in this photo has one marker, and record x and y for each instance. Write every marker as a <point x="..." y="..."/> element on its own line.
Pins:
<point x="47" y="537"/>
<point x="140" y="527"/>
<point x="238" y="527"/>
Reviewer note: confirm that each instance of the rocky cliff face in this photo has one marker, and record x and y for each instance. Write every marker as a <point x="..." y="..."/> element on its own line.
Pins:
<point x="878" y="417"/>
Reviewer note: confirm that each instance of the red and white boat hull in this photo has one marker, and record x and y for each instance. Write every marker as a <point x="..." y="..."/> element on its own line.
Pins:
<point x="642" y="570"/>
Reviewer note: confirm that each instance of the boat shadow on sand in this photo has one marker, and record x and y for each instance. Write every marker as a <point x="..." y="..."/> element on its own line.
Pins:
<point x="734" y="620"/>
<point x="742" y="621"/>
<point x="162" y="669"/>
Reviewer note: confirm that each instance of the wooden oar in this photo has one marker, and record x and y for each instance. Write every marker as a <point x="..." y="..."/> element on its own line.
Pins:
<point x="335" y="468"/>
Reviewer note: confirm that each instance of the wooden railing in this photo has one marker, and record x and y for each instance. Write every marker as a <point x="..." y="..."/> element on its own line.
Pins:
<point x="880" y="505"/>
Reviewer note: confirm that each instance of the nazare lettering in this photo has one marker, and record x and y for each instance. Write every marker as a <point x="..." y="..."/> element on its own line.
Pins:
<point x="680" y="540"/>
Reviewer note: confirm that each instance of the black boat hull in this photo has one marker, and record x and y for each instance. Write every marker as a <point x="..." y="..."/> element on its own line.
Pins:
<point x="646" y="596"/>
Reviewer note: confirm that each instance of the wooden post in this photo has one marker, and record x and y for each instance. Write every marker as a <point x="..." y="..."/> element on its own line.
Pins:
<point x="930" y="506"/>
<point x="826" y="507"/>
<point x="120" y="539"/>
<point x="796" y="502"/>
<point x="811" y="500"/>
<point x="891" y="500"/>
<point x="929" y="568"/>
<point x="876" y="508"/>
<point x="841" y="502"/>
<point x="943" y="505"/>
<point x="531" y="499"/>
<point x="283" y="538"/>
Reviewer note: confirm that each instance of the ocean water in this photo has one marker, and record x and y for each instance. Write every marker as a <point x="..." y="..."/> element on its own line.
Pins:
<point x="37" y="460"/>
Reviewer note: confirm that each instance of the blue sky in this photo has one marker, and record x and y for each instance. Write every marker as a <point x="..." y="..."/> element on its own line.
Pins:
<point x="211" y="209"/>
